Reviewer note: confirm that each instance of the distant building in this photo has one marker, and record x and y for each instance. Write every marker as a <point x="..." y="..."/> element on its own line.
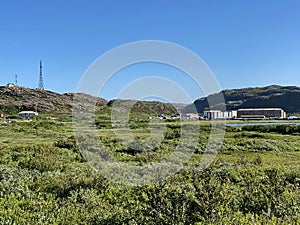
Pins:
<point x="161" y="116"/>
<point x="218" y="114"/>
<point x="1" y="115"/>
<point x="10" y="85"/>
<point x="192" y="116"/>
<point x="177" y="116"/>
<point x="292" y="118"/>
<point x="27" y="114"/>
<point x="261" y="113"/>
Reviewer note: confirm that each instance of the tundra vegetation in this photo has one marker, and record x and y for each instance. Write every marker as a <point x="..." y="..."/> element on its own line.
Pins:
<point x="255" y="178"/>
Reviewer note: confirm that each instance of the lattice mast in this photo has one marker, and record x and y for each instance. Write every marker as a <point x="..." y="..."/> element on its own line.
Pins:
<point x="41" y="82"/>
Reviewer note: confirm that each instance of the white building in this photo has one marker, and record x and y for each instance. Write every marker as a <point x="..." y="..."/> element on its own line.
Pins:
<point x="192" y="116"/>
<point x="218" y="114"/>
<point x="27" y="114"/>
<point x="10" y="85"/>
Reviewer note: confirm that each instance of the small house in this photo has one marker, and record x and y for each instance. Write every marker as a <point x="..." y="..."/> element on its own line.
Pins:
<point x="10" y="85"/>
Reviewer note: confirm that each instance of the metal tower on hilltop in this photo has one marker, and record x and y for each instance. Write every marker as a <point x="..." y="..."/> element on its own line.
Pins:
<point x="16" y="80"/>
<point x="41" y="82"/>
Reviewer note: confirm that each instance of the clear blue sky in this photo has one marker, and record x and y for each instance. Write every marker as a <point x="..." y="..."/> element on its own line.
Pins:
<point x="245" y="43"/>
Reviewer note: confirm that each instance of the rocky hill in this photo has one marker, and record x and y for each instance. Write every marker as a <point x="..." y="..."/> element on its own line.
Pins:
<point x="287" y="98"/>
<point x="143" y="107"/>
<point x="15" y="99"/>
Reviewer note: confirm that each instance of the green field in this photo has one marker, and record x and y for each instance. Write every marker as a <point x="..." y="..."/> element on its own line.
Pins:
<point x="254" y="179"/>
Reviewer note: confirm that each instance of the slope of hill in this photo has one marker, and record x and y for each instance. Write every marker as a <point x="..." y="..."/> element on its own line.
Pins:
<point x="15" y="99"/>
<point x="143" y="107"/>
<point x="287" y="98"/>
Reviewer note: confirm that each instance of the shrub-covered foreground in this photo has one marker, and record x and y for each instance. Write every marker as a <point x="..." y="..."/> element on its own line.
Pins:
<point x="48" y="185"/>
<point x="51" y="184"/>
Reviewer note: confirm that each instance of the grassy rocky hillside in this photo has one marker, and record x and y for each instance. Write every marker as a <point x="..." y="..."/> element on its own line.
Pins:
<point x="287" y="98"/>
<point x="138" y="108"/>
<point x="15" y="99"/>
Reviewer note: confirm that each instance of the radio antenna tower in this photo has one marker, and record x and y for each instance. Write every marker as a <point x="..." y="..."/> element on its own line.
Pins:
<point x="41" y="82"/>
<point x="16" y="80"/>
